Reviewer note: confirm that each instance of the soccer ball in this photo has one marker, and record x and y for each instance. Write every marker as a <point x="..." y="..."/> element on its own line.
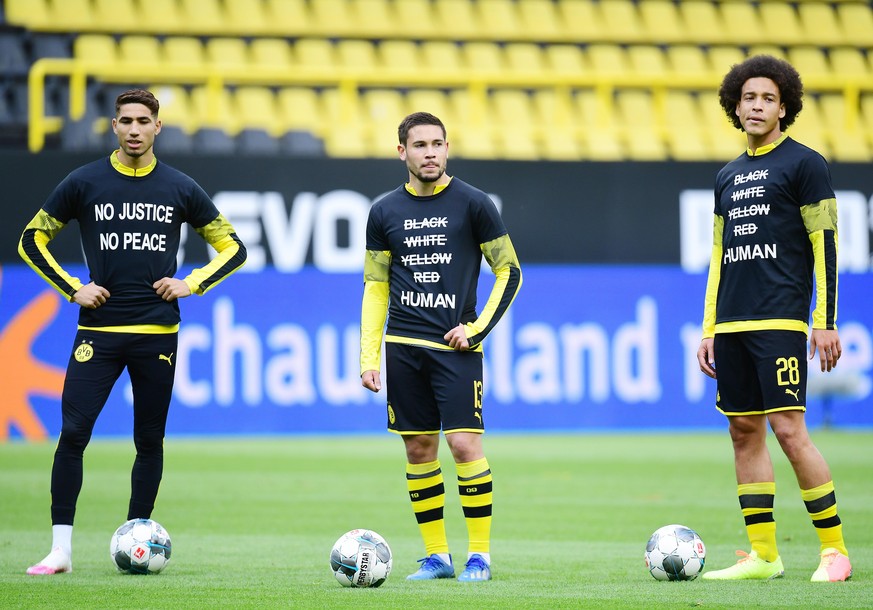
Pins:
<point x="675" y="552"/>
<point x="140" y="546"/>
<point x="360" y="558"/>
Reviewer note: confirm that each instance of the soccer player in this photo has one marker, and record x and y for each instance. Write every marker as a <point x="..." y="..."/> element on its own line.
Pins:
<point x="130" y="209"/>
<point x="775" y="227"/>
<point x="425" y="242"/>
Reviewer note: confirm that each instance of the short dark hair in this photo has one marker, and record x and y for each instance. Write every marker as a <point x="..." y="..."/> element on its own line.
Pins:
<point x="415" y="119"/>
<point x="778" y="70"/>
<point x="138" y="96"/>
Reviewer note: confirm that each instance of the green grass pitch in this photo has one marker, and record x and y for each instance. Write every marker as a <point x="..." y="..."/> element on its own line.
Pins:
<point x="253" y="520"/>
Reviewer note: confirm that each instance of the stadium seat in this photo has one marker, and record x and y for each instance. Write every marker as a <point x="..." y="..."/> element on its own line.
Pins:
<point x="608" y="59"/>
<point x="356" y="55"/>
<point x="702" y="22"/>
<point x="13" y="57"/>
<point x="442" y="56"/>
<point x="661" y="22"/>
<point x="271" y="53"/>
<point x="640" y="125"/>
<point x="214" y="112"/>
<point x="115" y="16"/>
<point x="160" y="17"/>
<point x="843" y="129"/>
<point x="856" y="23"/>
<point x="810" y="62"/>
<point x="98" y="49"/>
<point x="818" y="22"/>
<point x="767" y="49"/>
<point x="565" y="60"/>
<point x="688" y="61"/>
<point x="286" y="17"/>
<point x="482" y="57"/>
<point x="246" y="18"/>
<point x="51" y="45"/>
<point x="459" y="18"/>
<point x="556" y="135"/>
<point x="742" y="23"/>
<point x="227" y="53"/>
<point x="501" y="18"/>
<point x="688" y="143"/>
<point x="256" y="142"/>
<point x="374" y="18"/>
<point x="596" y="127"/>
<point x="204" y="17"/>
<point x="410" y="12"/>
<point x="399" y="55"/>
<point x="524" y="57"/>
<point x="383" y="111"/>
<point x="77" y="136"/>
<point x="723" y="140"/>
<point x="345" y="135"/>
<point x="622" y="21"/>
<point x="514" y="128"/>
<point x="332" y="18"/>
<point x="301" y="144"/>
<point x="213" y="141"/>
<point x="866" y="117"/>
<point x="315" y="53"/>
<point x="173" y="140"/>
<point x="75" y="15"/>
<point x="849" y="62"/>
<point x="781" y="24"/>
<point x="299" y="109"/>
<point x="184" y="52"/>
<point x="255" y="108"/>
<point x="582" y="20"/>
<point x="809" y="127"/>
<point x="539" y="20"/>
<point x="176" y="108"/>
<point x="33" y="14"/>
<point x="722" y="58"/>
<point x="470" y="136"/>
<point x="433" y="101"/>
<point x="137" y="48"/>
<point x="647" y="60"/>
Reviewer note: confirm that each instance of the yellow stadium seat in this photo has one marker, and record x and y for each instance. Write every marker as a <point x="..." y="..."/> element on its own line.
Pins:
<point x="75" y="15"/>
<point x="856" y="23"/>
<point x="214" y="112"/>
<point x="374" y="18"/>
<point x="866" y="117"/>
<point x="227" y="53"/>
<point x="433" y="101"/>
<point x="160" y="17"/>
<point x="842" y="129"/>
<point x="33" y="14"/>
<point x="556" y="133"/>
<point x="661" y="21"/>
<point x="483" y="57"/>
<point x="702" y="22"/>
<point x="742" y="23"/>
<point x="723" y="58"/>
<point x="135" y="50"/>
<point x="459" y="18"/>
<point x="596" y="127"/>
<point x="175" y="108"/>
<point x="246" y="17"/>
<point x="565" y="60"/>
<point x="641" y="125"/>
<point x="581" y="20"/>
<point x="411" y="12"/>
<point x="184" y="52"/>
<point x="501" y="19"/>
<point x="849" y="62"/>
<point x="356" y="55"/>
<point x="647" y="60"/>
<point x="98" y="49"/>
<point x="724" y="141"/>
<point x="442" y="56"/>
<point x="384" y="109"/>
<point x="471" y="137"/>
<point x="299" y="109"/>
<point x="767" y="49"/>
<point x="524" y="57"/>
<point x="316" y="53"/>
<point x="271" y="53"/>
<point x="256" y="108"/>
<point x="204" y="17"/>
<point x="286" y="17"/>
<point x="687" y="143"/>
<point x="688" y="61"/>
<point x="331" y="18"/>
<point x="780" y="22"/>
<point x="345" y="135"/>
<point x="622" y="21"/>
<point x="809" y="126"/>
<point x="608" y="59"/>
<point x="513" y="124"/>
<point x="810" y="62"/>
<point x="115" y="15"/>
<point x="818" y="22"/>
<point x="399" y="55"/>
<point x="540" y="19"/>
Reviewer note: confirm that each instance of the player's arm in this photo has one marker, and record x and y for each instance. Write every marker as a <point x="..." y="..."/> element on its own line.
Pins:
<point x="500" y="256"/>
<point x="705" y="355"/>
<point x="820" y="220"/>
<point x="33" y="248"/>
<point x="374" y="312"/>
<point x="221" y="235"/>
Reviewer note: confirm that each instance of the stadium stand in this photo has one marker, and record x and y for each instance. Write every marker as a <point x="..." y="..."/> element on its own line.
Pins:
<point x="575" y="79"/>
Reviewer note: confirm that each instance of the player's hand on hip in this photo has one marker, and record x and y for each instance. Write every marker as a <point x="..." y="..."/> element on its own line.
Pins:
<point x="371" y="381"/>
<point x="170" y="289"/>
<point x="829" y="348"/>
<point x="91" y="296"/>
<point x="457" y="338"/>
<point x="706" y="357"/>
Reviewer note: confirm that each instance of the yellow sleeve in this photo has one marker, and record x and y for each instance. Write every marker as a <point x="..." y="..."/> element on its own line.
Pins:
<point x="221" y="235"/>
<point x="33" y="248"/>
<point x="374" y="308"/>
<point x="501" y="257"/>
<point x="820" y="219"/>
<point x="713" y="278"/>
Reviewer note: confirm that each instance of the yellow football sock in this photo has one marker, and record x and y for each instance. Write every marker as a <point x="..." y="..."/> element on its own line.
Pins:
<point x="821" y="504"/>
<point x="428" y="496"/>
<point x="474" y="489"/>
<point x="756" y="502"/>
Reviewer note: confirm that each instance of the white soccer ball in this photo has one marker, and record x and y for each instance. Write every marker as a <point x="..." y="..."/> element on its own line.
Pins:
<point x="140" y="546"/>
<point x="360" y="558"/>
<point x="675" y="552"/>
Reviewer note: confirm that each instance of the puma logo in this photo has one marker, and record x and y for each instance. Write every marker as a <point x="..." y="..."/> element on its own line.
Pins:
<point x="479" y="417"/>
<point x="169" y="358"/>
<point x="793" y="393"/>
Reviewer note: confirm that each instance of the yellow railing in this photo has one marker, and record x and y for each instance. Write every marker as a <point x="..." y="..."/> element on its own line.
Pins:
<point x="348" y="83"/>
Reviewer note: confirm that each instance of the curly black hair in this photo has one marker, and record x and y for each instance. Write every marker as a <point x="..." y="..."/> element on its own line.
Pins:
<point x="778" y="70"/>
